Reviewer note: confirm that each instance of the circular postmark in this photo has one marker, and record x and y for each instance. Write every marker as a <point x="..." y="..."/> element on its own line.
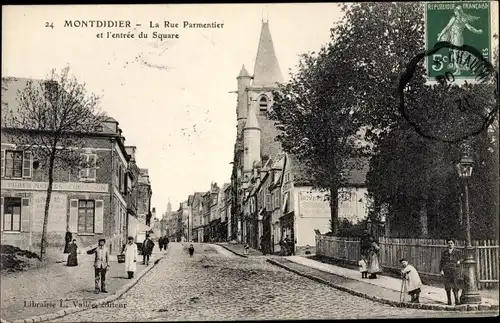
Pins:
<point x="446" y="112"/>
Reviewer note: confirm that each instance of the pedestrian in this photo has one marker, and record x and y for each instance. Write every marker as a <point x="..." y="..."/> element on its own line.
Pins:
<point x="363" y="266"/>
<point x="67" y="241"/>
<point x="449" y="268"/>
<point x="282" y="246"/>
<point x="101" y="265"/>
<point x="191" y="250"/>
<point x="130" y="257"/>
<point x="263" y="246"/>
<point x="288" y="242"/>
<point x="160" y="243"/>
<point x="373" y="259"/>
<point x="147" y="250"/>
<point x="73" y="254"/>
<point x="246" y="248"/>
<point x="412" y="280"/>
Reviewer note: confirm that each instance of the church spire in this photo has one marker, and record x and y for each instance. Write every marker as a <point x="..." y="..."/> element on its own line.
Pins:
<point x="267" y="70"/>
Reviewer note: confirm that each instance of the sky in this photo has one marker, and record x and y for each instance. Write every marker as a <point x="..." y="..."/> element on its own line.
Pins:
<point x="170" y="97"/>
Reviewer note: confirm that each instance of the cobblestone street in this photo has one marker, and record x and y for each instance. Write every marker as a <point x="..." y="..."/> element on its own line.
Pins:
<point x="216" y="285"/>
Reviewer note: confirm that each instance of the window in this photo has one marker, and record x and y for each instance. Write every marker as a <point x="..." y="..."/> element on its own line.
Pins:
<point x="263" y="103"/>
<point x="88" y="172"/>
<point x="12" y="214"/>
<point x="268" y="201"/>
<point x="86" y="214"/>
<point x="16" y="163"/>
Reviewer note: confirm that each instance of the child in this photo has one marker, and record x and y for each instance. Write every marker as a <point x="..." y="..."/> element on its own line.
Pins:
<point x="191" y="250"/>
<point x="247" y="247"/>
<point x="363" y="267"/>
<point x="410" y="274"/>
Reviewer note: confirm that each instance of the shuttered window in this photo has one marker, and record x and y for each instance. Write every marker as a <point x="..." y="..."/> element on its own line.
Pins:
<point x="14" y="163"/>
<point x="86" y="215"/>
<point x="88" y="171"/>
<point x="12" y="214"/>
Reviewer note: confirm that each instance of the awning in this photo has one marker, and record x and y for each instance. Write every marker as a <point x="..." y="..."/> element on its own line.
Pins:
<point x="135" y="226"/>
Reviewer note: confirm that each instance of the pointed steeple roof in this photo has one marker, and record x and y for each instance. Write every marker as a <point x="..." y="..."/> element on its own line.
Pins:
<point x="267" y="70"/>
<point x="244" y="72"/>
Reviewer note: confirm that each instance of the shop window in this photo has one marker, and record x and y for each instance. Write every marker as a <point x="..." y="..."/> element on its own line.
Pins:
<point x="12" y="214"/>
<point x="86" y="216"/>
<point x="17" y="163"/>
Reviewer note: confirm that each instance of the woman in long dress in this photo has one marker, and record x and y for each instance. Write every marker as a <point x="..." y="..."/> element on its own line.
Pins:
<point x="453" y="32"/>
<point x="130" y="257"/>
<point x="373" y="259"/>
<point x="73" y="254"/>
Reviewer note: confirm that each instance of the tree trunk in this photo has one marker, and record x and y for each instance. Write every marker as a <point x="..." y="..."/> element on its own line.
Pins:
<point x="47" y="205"/>
<point x="334" y="209"/>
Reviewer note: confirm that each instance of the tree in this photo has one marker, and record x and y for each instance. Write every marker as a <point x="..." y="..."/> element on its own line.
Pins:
<point x="52" y="119"/>
<point x="319" y="124"/>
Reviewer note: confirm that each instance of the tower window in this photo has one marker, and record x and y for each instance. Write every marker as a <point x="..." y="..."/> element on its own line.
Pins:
<point x="263" y="102"/>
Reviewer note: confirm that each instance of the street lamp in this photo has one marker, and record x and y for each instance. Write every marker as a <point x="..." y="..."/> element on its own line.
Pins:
<point x="470" y="294"/>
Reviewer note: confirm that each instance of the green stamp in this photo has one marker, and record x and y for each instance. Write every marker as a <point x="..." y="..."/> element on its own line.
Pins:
<point x="458" y="23"/>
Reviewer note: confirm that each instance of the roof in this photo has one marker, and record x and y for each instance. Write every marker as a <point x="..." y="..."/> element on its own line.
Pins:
<point x="244" y="72"/>
<point x="266" y="70"/>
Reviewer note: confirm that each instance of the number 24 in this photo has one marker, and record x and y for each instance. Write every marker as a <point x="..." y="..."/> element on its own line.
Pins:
<point x="49" y="24"/>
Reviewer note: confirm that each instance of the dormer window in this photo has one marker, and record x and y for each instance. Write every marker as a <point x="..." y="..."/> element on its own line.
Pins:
<point x="263" y="102"/>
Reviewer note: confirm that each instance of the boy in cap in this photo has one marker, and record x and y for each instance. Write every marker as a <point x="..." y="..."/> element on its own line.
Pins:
<point x="101" y="265"/>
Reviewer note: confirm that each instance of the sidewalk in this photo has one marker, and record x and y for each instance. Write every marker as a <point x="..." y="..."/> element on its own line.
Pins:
<point x="56" y="282"/>
<point x="383" y="289"/>
<point x="238" y="249"/>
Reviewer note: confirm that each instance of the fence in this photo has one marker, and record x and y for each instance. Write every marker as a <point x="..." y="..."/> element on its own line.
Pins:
<point x="425" y="254"/>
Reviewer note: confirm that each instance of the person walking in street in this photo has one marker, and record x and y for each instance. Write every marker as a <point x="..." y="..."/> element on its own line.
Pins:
<point x="101" y="265"/>
<point x="191" y="250"/>
<point x="288" y="245"/>
<point x="412" y="279"/>
<point x="147" y="250"/>
<point x="130" y="257"/>
<point x="373" y="259"/>
<point x="449" y="268"/>
<point x="73" y="254"/>
<point x="160" y="243"/>
<point x="67" y="241"/>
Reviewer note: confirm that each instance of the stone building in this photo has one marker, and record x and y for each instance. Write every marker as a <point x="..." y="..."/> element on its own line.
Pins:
<point x="89" y="202"/>
<point x="272" y="196"/>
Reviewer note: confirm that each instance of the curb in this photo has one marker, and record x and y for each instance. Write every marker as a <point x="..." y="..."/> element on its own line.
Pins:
<point x="238" y="254"/>
<point x="433" y="307"/>
<point x="119" y="293"/>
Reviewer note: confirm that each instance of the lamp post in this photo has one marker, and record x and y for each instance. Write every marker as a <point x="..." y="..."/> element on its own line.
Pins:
<point x="470" y="294"/>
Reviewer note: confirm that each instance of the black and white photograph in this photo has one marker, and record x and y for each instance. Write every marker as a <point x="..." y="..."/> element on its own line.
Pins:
<point x="249" y="161"/>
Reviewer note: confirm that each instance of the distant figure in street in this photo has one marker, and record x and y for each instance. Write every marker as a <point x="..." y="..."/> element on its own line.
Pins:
<point x="191" y="250"/>
<point x="412" y="280"/>
<point x="450" y="269"/>
<point x="147" y="250"/>
<point x="363" y="267"/>
<point x="101" y="265"/>
<point x="160" y="243"/>
<point x="263" y="246"/>
<point x="67" y="241"/>
<point x="373" y="259"/>
<point x="73" y="254"/>
<point x="130" y="257"/>
<point x="246" y="248"/>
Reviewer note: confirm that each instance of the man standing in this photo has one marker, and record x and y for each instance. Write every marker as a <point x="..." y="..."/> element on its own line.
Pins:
<point x="165" y="242"/>
<point x="101" y="265"/>
<point x="450" y="269"/>
<point x="161" y="243"/>
<point x="147" y="249"/>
